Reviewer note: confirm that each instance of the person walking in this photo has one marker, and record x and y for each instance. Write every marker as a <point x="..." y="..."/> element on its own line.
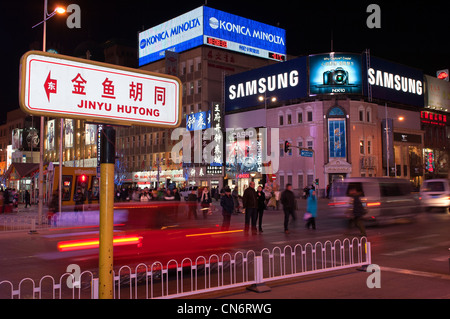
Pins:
<point x="311" y="209"/>
<point x="192" y="203"/>
<point x="357" y="211"/>
<point x="261" y="197"/>
<point x="205" y="202"/>
<point x="235" y="195"/>
<point x="250" y="204"/>
<point x="27" y="199"/>
<point x="79" y="200"/>
<point x="227" y="204"/>
<point x="288" y="201"/>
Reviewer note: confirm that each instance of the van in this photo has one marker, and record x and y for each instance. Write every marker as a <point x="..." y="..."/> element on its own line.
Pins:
<point x="385" y="199"/>
<point x="435" y="193"/>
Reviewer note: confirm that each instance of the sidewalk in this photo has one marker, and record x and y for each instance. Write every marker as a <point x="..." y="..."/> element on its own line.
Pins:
<point x="346" y="284"/>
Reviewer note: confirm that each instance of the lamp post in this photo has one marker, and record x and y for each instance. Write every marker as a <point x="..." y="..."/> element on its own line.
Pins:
<point x="401" y="119"/>
<point x="58" y="10"/>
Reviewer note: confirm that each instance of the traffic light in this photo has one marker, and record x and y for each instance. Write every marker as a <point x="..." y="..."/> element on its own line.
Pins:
<point x="317" y="181"/>
<point x="287" y="145"/>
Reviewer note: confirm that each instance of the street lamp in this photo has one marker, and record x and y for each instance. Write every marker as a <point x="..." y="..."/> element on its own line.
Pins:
<point x="58" y="10"/>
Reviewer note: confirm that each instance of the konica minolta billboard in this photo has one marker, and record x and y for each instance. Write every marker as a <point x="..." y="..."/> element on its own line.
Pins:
<point x="284" y="80"/>
<point x="395" y="82"/>
<point x="212" y="27"/>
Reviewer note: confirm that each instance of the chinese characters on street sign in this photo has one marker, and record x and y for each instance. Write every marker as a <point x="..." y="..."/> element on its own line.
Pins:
<point x="61" y="86"/>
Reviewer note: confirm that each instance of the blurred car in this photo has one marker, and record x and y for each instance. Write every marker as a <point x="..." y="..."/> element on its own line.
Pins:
<point x="435" y="193"/>
<point x="385" y="199"/>
<point x="144" y="232"/>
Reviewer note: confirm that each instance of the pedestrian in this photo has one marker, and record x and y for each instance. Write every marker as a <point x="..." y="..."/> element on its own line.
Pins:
<point x="27" y="199"/>
<point x="227" y="204"/>
<point x="250" y="204"/>
<point x="145" y="196"/>
<point x="311" y="209"/>
<point x="176" y="194"/>
<point x="79" y="200"/>
<point x="357" y="211"/>
<point x="205" y="202"/>
<point x="288" y="201"/>
<point x="192" y="199"/>
<point x="261" y="196"/>
<point x="169" y="196"/>
<point x="235" y="195"/>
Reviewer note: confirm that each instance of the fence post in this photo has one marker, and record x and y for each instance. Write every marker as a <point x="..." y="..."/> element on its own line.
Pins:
<point x="94" y="288"/>
<point x="33" y="230"/>
<point x="259" y="285"/>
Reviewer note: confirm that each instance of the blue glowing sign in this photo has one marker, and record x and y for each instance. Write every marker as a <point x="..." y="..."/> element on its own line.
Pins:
<point x="242" y="35"/>
<point x="212" y="27"/>
<point x="337" y="138"/>
<point x="335" y="73"/>
<point x="198" y="121"/>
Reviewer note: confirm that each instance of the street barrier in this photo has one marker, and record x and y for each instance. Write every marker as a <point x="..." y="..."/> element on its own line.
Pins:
<point x="202" y="275"/>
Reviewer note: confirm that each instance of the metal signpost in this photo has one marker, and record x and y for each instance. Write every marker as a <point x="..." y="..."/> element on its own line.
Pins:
<point x="66" y="87"/>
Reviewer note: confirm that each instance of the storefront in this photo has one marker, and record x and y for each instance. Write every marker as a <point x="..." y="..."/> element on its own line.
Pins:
<point x="150" y="179"/>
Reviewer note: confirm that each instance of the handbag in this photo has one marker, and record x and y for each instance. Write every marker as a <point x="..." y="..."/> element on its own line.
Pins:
<point x="307" y="216"/>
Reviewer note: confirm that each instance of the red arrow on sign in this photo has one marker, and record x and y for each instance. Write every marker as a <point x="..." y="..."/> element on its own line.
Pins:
<point x="50" y="86"/>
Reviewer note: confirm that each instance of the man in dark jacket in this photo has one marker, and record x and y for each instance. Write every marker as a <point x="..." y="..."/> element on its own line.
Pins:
<point x="192" y="199"/>
<point x="227" y="203"/>
<point x="358" y="211"/>
<point x="250" y="204"/>
<point x="288" y="201"/>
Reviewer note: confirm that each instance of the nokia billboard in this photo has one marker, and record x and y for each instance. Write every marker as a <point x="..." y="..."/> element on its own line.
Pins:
<point x="285" y="81"/>
<point x="212" y="27"/>
<point x="395" y="82"/>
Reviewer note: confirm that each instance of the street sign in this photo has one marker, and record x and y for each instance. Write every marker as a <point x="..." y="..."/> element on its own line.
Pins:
<point x="55" y="85"/>
<point x="305" y="153"/>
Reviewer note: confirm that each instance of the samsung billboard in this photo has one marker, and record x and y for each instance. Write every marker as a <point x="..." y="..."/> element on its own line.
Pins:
<point x="212" y="27"/>
<point x="395" y="82"/>
<point x="335" y="73"/>
<point x="284" y="81"/>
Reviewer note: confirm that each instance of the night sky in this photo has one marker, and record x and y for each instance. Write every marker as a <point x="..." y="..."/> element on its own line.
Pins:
<point x="414" y="33"/>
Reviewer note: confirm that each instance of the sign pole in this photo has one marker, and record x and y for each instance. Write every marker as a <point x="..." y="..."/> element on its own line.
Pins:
<point x="107" y="160"/>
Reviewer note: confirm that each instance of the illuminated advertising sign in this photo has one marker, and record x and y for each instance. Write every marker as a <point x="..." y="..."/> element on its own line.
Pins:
<point x="198" y="121"/>
<point x="395" y="82"/>
<point x="179" y="34"/>
<point x="335" y="73"/>
<point x="285" y="81"/>
<point x="51" y="135"/>
<point x="68" y="133"/>
<point x="337" y="138"/>
<point x="212" y="27"/>
<point x="437" y="94"/>
<point x="228" y="31"/>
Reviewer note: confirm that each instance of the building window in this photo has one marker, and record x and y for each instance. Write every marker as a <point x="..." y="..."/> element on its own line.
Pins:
<point x="369" y="147"/>
<point x="280" y="120"/>
<point x="300" y="181"/>
<point x="282" y="150"/>
<point x="310" y="145"/>
<point x="300" y="117"/>
<point x="199" y="86"/>
<point x="369" y="116"/>
<point x="361" y="115"/>
<point x="289" y="119"/>
<point x="300" y="146"/>
<point x="361" y="147"/>
<point x="310" y="116"/>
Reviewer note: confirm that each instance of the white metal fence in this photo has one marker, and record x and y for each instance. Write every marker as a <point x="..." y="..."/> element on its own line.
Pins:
<point x="201" y="275"/>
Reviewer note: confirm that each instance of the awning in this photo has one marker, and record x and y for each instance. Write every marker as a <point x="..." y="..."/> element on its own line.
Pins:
<point x="17" y="171"/>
